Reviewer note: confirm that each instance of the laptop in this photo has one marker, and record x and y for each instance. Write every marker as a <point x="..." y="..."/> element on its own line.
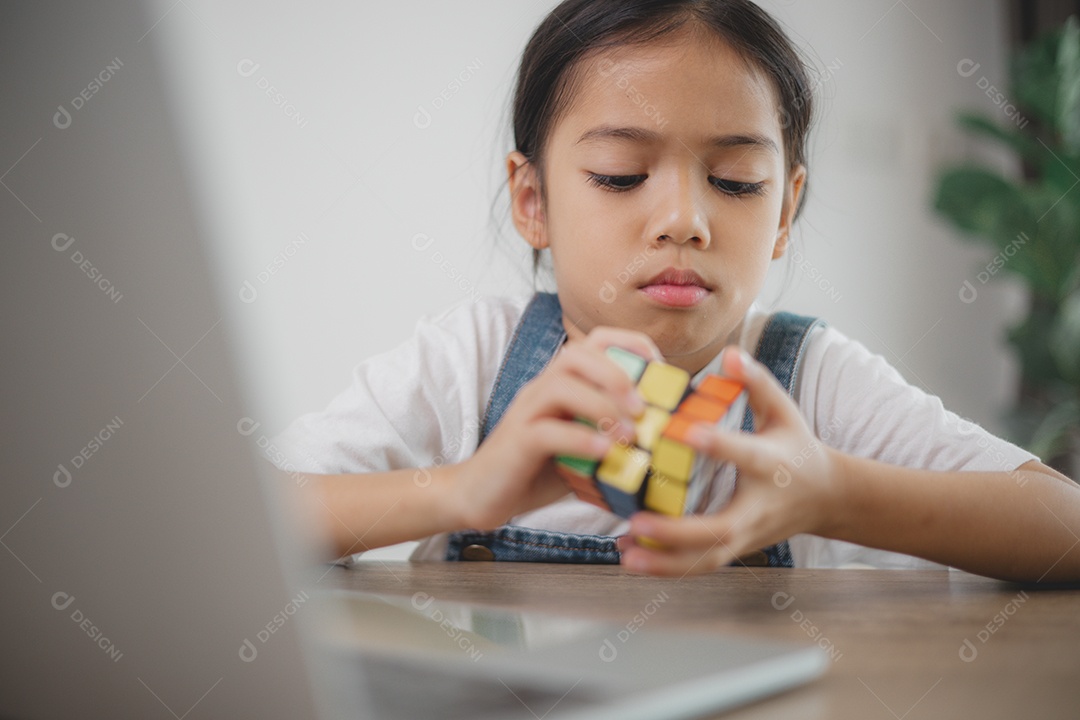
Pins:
<point x="150" y="560"/>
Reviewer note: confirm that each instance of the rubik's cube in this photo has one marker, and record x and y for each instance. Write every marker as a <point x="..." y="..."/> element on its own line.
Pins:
<point x="660" y="472"/>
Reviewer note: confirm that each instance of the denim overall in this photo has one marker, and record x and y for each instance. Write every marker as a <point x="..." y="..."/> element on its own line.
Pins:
<point x="537" y="337"/>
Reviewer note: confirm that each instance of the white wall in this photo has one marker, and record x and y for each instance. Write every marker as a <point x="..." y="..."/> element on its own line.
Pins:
<point x="335" y="177"/>
<point x="878" y="264"/>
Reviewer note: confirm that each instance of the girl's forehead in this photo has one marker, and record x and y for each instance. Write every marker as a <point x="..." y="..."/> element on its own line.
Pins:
<point x="679" y="49"/>
<point x="690" y="83"/>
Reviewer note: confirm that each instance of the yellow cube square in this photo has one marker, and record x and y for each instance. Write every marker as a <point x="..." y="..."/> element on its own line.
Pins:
<point x="673" y="459"/>
<point x="663" y="385"/>
<point x="665" y="495"/>
<point x="649" y="426"/>
<point x="624" y="468"/>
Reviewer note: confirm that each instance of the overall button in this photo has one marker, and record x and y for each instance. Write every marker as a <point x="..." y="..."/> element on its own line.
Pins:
<point x="477" y="552"/>
<point x="755" y="559"/>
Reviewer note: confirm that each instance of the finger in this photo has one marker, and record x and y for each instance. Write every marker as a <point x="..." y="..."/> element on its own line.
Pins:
<point x="768" y="399"/>
<point x="597" y="369"/>
<point x="748" y="523"/>
<point x="689" y="532"/>
<point x="571" y="397"/>
<point x="745" y="450"/>
<point x="696" y="543"/>
<point x="673" y="564"/>
<point x="744" y="524"/>
<point x="559" y="437"/>
<point x="602" y="337"/>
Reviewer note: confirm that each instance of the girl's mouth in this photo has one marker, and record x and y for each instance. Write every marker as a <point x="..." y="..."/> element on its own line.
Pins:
<point x="675" y="287"/>
<point x="676" y="295"/>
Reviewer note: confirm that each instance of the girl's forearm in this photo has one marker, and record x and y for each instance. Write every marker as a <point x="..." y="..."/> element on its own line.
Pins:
<point x="362" y="511"/>
<point x="1021" y="525"/>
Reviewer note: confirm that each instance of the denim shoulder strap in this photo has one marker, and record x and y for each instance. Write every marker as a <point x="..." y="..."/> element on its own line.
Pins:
<point x="780" y="349"/>
<point x="536" y="339"/>
<point x="538" y="336"/>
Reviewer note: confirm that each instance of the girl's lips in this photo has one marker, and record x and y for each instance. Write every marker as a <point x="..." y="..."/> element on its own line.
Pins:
<point x="676" y="295"/>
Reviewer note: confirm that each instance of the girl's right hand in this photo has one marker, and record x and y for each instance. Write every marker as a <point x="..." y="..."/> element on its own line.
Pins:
<point x="513" y="469"/>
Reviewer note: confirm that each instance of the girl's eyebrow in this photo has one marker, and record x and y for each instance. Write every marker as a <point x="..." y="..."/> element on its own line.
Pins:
<point x="641" y="135"/>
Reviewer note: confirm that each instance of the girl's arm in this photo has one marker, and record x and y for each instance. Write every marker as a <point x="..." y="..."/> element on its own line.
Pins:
<point x="1020" y="525"/>
<point x="368" y="510"/>
<point x="364" y="511"/>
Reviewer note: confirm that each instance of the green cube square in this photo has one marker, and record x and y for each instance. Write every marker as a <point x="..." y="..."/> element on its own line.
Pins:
<point x="633" y="365"/>
<point x="583" y="466"/>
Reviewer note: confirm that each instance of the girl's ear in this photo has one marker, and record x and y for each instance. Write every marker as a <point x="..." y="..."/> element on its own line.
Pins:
<point x="792" y="193"/>
<point x="526" y="205"/>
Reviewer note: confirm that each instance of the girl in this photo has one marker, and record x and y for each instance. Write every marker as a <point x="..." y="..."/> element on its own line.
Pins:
<point x="661" y="161"/>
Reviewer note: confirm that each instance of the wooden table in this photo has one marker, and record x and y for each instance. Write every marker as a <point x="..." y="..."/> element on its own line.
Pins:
<point x="904" y="644"/>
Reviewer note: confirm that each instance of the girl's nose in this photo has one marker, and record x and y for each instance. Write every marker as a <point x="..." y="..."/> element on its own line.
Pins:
<point x="680" y="215"/>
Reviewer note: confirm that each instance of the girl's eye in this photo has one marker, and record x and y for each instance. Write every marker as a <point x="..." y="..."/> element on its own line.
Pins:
<point x="622" y="183"/>
<point x="616" y="183"/>
<point x="738" y="189"/>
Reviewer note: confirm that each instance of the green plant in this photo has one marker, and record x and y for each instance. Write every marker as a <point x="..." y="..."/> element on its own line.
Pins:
<point x="1033" y="221"/>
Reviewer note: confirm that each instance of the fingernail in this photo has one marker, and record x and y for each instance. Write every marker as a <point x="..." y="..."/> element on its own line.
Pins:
<point x="634" y="403"/>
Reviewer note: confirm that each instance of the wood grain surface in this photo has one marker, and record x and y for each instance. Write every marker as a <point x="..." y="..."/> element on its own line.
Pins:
<point x="904" y="644"/>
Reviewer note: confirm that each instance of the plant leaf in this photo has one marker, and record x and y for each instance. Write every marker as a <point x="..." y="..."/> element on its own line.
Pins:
<point x="1025" y="146"/>
<point x="1031" y="339"/>
<point x="1035" y="228"/>
<point x="1035" y="79"/>
<point x="1068" y="95"/>
<point x="1051" y="437"/>
<point x="1052" y="254"/>
<point x="983" y="203"/>
<point x="1072" y="280"/>
<point x="1065" y="339"/>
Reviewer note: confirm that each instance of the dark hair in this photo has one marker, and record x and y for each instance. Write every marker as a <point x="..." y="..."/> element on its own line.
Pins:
<point x="546" y="77"/>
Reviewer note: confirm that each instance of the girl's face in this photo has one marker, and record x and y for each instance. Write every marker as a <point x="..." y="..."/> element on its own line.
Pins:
<point x="670" y="157"/>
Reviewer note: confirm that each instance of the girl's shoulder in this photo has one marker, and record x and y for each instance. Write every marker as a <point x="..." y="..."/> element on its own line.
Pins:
<point x="832" y="374"/>
<point x="825" y="348"/>
<point x="472" y="332"/>
<point x="485" y="313"/>
<point x="858" y="401"/>
<point x="475" y="322"/>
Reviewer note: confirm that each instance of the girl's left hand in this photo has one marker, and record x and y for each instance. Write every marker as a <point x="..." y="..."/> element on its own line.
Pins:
<point x="787" y="485"/>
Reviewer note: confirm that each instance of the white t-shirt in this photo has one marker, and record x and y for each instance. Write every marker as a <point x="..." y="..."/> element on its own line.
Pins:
<point x="420" y="405"/>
